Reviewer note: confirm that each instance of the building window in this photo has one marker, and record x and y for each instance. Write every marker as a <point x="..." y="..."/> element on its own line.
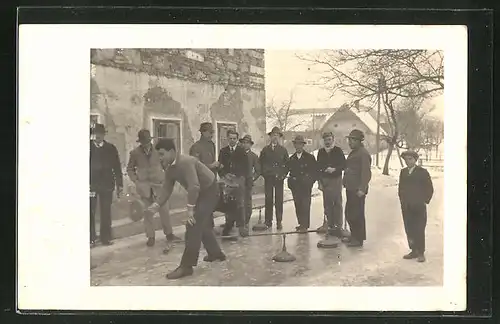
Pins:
<point x="168" y="128"/>
<point x="222" y="128"/>
<point x="309" y="141"/>
<point x="94" y="119"/>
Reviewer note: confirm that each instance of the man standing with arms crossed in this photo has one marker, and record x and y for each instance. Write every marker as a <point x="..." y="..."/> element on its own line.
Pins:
<point x="331" y="164"/>
<point x="144" y="169"/>
<point x="356" y="179"/>
<point x="204" y="150"/>
<point x="201" y="186"/>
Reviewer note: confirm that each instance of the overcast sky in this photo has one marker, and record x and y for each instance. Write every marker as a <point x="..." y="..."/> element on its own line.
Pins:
<point x="285" y="72"/>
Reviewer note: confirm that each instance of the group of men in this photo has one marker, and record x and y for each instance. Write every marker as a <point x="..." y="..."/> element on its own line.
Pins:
<point x="155" y="170"/>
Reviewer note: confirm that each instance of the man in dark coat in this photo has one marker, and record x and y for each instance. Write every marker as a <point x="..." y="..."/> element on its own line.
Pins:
<point x="303" y="175"/>
<point x="204" y="150"/>
<point x="273" y="164"/>
<point x="331" y="164"/>
<point x="254" y="174"/>
<point x="234" y="166"/>
<point x="105" y="176"/>
<point x="202" y="195"/>
<point x="415" y="191"/>
<point x="356" y="179"/>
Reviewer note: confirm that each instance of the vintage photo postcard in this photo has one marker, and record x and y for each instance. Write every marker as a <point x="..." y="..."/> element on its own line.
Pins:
<point x="242" y="167"/>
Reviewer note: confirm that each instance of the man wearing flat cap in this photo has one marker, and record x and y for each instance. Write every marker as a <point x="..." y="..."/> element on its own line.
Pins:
<point x="415" y="191"/>
<point x="204" y="150"/>
<point x="145" y="170"/>
<point x="105" y="176"/>
<point x="303" y="175"/>
<point x="254" y="173"/>
<point x="331" y="164"/>
<point x="357" y="176"/>
<point x="273" y="164"/>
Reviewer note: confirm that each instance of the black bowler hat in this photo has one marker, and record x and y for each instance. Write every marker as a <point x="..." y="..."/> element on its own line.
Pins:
<point x="275" y="130"/>
<point x="144" y="136"/>
<point x="99" y="129"/>
<point x="247" y="138"/>
<point x="410" y="153"/>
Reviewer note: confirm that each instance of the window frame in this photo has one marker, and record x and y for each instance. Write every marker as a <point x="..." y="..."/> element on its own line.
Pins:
<point x="179" y="121"/>
<point x="217" y="123"/>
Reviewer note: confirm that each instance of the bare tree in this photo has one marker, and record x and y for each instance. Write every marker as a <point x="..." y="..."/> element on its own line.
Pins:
<point x="279" y="114"/>
<point x="432" y="135"/>
<point x="392" y="73"/>
<point x="410" y="116"/>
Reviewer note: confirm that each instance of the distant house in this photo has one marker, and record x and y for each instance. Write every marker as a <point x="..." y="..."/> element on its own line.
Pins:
<point x="311" y="123"/>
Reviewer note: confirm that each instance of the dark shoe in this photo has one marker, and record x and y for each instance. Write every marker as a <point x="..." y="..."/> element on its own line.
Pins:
<point x="354" y="243"/>
<point x="297" y="228"/>
<point x="411" y="255"/>
<point x="243" y="232"/>
<point x="92" y="244"/>
<point x="279" y="227"/>
<point x="322" y="229"/>
<point x="180" y="272"/>
<point x="209" y="258"/>
<point x="345" y="233"/>
<point x="150" y="242"/>
<point x="421" y="258"/>
<point x="173" y="238"/>
<point x="301" y="229"/>
<point x="107" y="243"/>
<point x="222" y="225"/>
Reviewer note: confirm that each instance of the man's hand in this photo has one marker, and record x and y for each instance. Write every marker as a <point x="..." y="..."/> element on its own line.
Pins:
<point x="153" y="208"/>
<point x="119" y="191"/>
<point x="215" y="165"/>
<point x="360" y="193"/>
<point x="190" y="219"/>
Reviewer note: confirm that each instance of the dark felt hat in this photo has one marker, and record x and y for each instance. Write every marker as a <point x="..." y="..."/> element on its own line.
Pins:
<point x="299" y="139"/>
<point x="206" y="127"/>
<point x="144" y="136"/>
<point x="99" y="129"/>
<point x="247" y="138"/>
<point x="356" y="134"/>
<point x="275" y="130"/>
<point x="410" y="153"/>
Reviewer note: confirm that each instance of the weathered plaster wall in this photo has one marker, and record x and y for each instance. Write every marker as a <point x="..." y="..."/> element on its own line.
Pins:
<point x="129" y="87"/>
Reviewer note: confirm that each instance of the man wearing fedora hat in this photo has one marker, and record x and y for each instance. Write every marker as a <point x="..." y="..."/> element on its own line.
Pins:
<point x="105" y="176"/>
<point x="204" y="150"/>
<point x="145" y="170"/>
<point x="331" y="164"/>
<point x="303" y="174"/>
<point x="254" y="173"/>
<point x="273" y="164"/>
<point x="357" y="176"/>
<point x="415" y="191"/>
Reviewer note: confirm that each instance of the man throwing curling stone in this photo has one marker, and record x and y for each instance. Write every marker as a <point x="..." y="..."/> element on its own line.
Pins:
<point x="203" y="195"/>
<point x="356" y="179"/>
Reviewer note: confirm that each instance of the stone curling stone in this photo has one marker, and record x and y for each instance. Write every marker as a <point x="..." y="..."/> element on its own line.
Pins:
<point x="284" y="255"/>
<point x="329" y="242"/>
<point x="259" y="227"/>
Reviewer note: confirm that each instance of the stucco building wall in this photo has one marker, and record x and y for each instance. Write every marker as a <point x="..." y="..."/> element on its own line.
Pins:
<point x="131" y="87"/>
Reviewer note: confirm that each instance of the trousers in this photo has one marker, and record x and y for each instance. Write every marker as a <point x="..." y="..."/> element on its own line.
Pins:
<point x="105" y="199"/>
<point x="248" y="201"/>
<point x="273" y="191"/>
<point x="332" y="201"/>
<point x="301" y="194"/>
<point x="236" y="207"/>
<point x="415" y="221"/>
<point x="355" y="215"/>
<point x="201" y="231"/>
<point x="149" y="225"/>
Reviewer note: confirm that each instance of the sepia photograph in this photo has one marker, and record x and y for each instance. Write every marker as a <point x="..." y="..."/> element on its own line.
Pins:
<point x="268" y="162"/>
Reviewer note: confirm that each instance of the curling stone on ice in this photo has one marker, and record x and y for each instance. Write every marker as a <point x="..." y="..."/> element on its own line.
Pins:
<point x="323" y="228"/>
<point x="137" y="208"/>
<point x="330" y="242"/>
<point x="284" y="255"/>
<point x="259" y="226"/>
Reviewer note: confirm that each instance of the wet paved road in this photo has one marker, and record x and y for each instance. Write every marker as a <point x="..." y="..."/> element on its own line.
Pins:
<point x="249" y="262"/>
